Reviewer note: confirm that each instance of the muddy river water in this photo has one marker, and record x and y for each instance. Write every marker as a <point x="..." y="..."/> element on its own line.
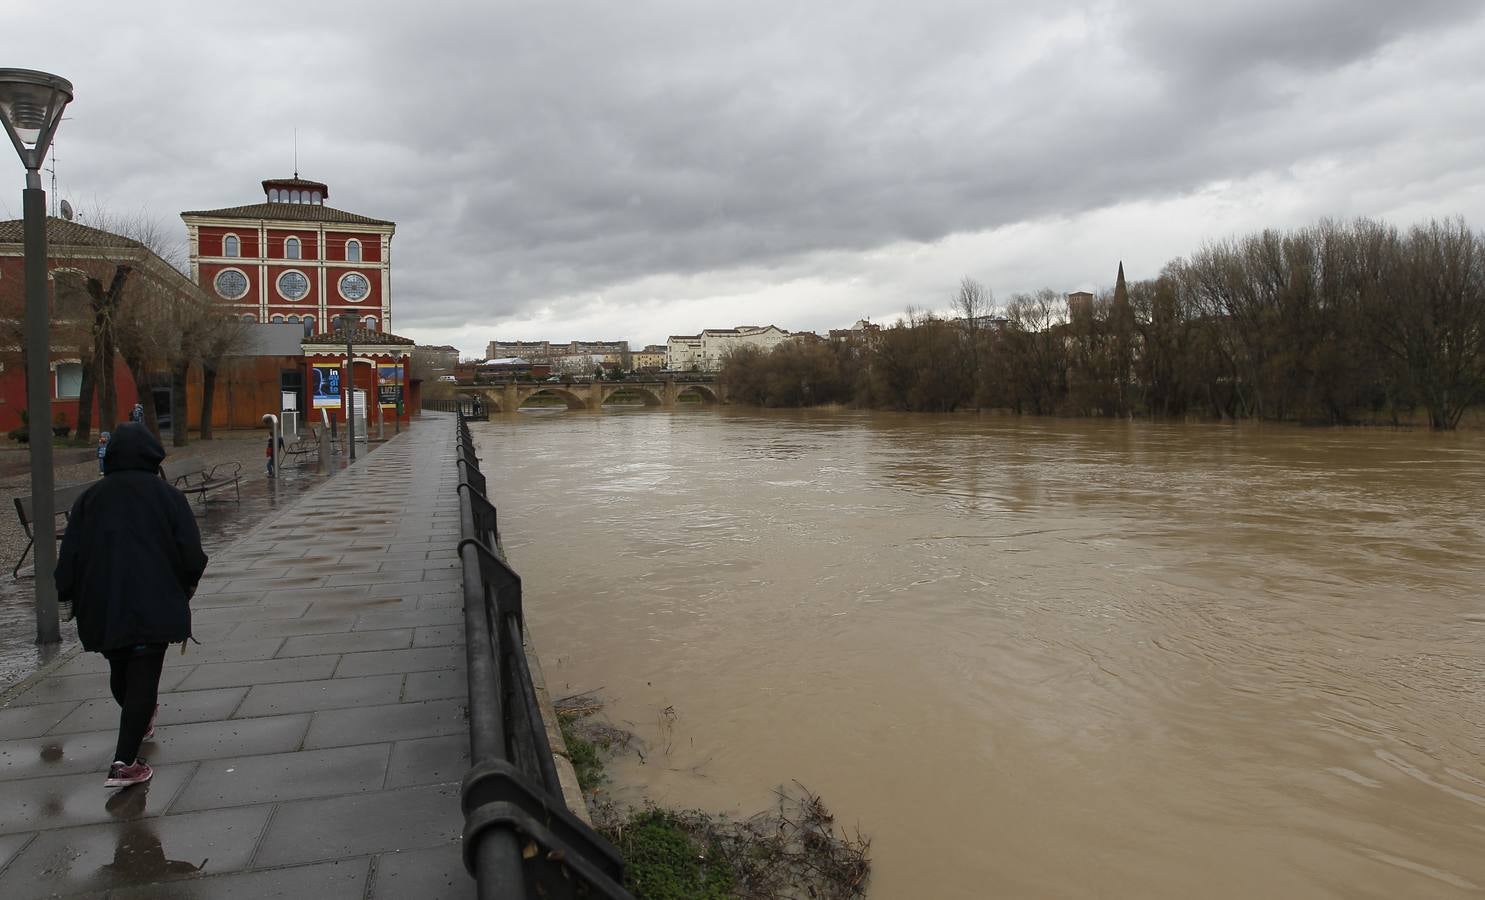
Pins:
<point x="1030" y="658"/>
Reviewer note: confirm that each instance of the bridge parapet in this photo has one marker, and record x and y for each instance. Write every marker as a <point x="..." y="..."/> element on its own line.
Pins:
<point x="511" y="396"/>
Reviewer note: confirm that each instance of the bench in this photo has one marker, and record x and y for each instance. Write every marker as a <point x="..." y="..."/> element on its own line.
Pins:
<point x="62" y="500"/>
<point x="190" y="476"/>
<point x="303" y="445"/>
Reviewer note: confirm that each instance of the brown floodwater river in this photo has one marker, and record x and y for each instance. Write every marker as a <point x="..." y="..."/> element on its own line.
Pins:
<point x="1030" y="658"/>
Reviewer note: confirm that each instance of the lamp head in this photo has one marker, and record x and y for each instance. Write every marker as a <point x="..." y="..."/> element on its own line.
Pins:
<point x="31" y="105"/>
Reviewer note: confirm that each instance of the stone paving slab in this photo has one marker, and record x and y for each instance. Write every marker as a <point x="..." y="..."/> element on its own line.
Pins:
<point x="313" y="743"/>
<point x="331" y="693"/>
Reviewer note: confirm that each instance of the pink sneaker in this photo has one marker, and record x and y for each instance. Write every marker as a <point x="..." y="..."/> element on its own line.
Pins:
<point x="150" y="732"/>
<point x="120" y="775"/>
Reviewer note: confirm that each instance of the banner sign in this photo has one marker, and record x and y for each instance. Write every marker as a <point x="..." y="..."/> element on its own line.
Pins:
<point x="389" y="391"/>
<point x="327" y="387"/>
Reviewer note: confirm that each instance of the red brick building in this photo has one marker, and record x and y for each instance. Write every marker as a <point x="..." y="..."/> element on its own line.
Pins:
<point x="75" y="253"/>
<point x="291" y="258"/>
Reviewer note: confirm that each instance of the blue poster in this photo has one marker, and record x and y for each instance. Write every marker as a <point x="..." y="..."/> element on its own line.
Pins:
<point x="326" y="387"/>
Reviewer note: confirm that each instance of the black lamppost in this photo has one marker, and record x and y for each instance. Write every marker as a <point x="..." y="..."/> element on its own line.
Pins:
<point x="347" y="322"/>
<point x="31" y="105"/>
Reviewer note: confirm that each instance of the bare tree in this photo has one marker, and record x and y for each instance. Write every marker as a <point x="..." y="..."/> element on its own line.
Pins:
<point x="973" y="303"/>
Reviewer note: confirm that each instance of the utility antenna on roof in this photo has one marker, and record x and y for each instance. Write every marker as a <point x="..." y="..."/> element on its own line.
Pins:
<point x="296" y="152"/>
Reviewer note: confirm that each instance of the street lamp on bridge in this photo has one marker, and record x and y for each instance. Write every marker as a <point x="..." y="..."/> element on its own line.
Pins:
<point x="31" y="105"/>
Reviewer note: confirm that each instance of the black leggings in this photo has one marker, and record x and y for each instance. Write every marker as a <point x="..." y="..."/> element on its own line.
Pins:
<point x="134" y="678"/>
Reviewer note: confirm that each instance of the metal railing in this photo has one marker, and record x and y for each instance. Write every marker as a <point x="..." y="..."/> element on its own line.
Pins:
<point x="466" y="406"/>
<point x="520" y="839"/>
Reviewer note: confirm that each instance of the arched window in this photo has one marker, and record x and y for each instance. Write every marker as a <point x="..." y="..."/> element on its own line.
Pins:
<point x="353" y="250"/>
<point x="249" y="317"/>
<point x="309" y="325"/>
<point x="370" y="323"/>
<point x="231" y="246"/>
<point x="293" y="196"/>
<point x="291" y="248"/>
<point x="293" y="318"/>
<point x="277" y="318"/>
<point x="273" y="195"/>
<point x="314" y="197"/>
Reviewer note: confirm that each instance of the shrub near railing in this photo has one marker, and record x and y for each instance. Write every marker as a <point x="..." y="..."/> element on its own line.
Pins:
<point x="520" y="839"/>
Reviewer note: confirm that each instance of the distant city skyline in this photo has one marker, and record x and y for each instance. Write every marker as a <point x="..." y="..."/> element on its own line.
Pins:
<point x="639" y="170"/>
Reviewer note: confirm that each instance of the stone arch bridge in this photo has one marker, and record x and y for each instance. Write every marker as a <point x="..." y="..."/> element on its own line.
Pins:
<point x="511" y="396"/>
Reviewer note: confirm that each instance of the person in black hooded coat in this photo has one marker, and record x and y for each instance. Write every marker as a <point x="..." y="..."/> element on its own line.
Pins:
<point x="130" y="560"/>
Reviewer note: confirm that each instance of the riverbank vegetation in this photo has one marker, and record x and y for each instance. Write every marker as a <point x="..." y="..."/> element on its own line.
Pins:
<point x="795" y="849"/>
<point x="1340" y="323"/>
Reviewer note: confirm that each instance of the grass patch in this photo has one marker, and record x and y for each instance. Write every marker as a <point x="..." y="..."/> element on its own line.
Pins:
<point x="586" y="761"/>
<point x="663" y="860"/>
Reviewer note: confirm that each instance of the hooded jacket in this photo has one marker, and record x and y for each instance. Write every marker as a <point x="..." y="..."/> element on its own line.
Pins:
<point x="131" y="555"/>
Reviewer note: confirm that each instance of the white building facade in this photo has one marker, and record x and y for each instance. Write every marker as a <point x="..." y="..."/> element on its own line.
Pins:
<point x="705" y="352"/>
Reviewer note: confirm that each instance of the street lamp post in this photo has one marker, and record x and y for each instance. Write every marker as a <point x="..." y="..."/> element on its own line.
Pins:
<point x="31" y="105"/>
<point x="348" y="323"/>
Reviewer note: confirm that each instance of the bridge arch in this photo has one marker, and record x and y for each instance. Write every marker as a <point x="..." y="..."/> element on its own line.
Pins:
<point x="572" y="400"/>
<point x="707" y="392"/>
<point x="645" y="394"/>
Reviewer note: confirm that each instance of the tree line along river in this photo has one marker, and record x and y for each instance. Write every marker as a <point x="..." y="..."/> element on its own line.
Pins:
<point x="1038" y="658"/>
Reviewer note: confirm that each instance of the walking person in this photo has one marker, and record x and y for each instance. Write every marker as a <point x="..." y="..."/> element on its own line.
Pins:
<point x="130" y="560"/>
<point x="137" y="413"/>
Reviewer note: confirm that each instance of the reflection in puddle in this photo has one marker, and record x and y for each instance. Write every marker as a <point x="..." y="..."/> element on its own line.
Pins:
<point x="138" y="855"/>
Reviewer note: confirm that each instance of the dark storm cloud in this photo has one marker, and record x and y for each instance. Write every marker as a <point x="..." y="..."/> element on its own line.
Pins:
<point x="535" y="150"/>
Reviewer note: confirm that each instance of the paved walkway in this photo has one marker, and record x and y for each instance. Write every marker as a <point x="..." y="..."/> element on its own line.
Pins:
<point x="311" y="746"/>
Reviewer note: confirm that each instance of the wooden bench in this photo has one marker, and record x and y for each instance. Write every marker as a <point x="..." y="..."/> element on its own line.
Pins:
<point x="62" y="500"/>
<point x="190" y="476"/>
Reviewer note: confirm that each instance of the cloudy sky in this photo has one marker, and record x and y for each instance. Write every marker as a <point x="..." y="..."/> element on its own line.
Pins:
<point x="605" y="170"/>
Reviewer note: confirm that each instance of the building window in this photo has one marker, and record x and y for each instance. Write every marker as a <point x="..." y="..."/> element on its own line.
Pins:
<point x="291" y="248"/>
<point x="231" y="284"/>
<point x="293" y="285"/>
<point x="293" y="196"/>
<point x="249" y="318"/>
<point x="314" y="197"/>
<point x="353" y="251"/>
<point x="278" y="317"/>
<point x="370" y="323"/>
<point x="231" y="246"/>
<point x="354" y="287"/>
<point x="293" y="318"/>
<point x="69" y="380"/>
<point x="309" y="325"/>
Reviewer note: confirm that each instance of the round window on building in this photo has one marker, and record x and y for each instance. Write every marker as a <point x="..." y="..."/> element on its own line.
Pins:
<point x="292" y="285"/>
<point x="354" y="286"/>
<point x="231" y="284"/>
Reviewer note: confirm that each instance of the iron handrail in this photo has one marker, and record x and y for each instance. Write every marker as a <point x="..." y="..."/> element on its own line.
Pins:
<point x="520" y="840"/>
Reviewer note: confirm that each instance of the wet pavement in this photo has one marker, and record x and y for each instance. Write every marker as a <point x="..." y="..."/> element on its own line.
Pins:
<point x="313" y="743"/>
<point x="222" y="521"/>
